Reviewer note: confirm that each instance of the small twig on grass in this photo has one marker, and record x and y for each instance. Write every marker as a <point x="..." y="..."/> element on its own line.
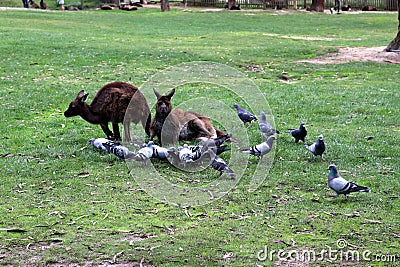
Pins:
<point x="187" y="212"/>
<point x="328" y="213"/>
<point x="98" y="201"/>
<point x="373" y="221"/>
<point x="114" y="260"/>
<point x="80" y="217"/>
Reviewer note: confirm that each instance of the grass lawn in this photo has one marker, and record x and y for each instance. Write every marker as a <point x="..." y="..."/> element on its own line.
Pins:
<point x="63" y="203"/>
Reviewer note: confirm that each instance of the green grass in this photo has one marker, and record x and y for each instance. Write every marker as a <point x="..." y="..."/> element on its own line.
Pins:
<point x="68" y="203"/>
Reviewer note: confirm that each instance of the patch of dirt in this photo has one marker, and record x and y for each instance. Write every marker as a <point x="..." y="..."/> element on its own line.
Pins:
<point x="360" y="54"/>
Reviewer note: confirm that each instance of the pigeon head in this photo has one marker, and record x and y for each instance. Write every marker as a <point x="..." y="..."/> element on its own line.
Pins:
<point x="150" y="144"/>
<point x="332" y="167"/>
<point x="333" y="172"/>
<point x="236" y="106"/>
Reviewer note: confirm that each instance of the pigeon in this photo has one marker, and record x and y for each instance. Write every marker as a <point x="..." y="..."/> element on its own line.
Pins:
<point x="98" y="143"/>
<point x="245" y="115"/>
<point x="220" y="140"/>
<point x="145" y="153"/>
<point x="119" y="150"/>
<point x="215" y="144"/>
<point x="160" y="152"/>
<point x="299" y="134"/>
<point x="184" y="153"/>
<point x="221" y="149"/>
<point x="261" y="149"/>
<point x="220" y="165"/>
<point x="341" y="185"/>
<point x="265" y="128"/>
<point x="318" y="148"/>
<point x="173" y="155"/>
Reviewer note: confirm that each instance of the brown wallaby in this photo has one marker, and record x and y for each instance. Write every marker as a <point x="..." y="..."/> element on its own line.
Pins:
<point x="116" y="102"/>
<point x="171" y="126"/>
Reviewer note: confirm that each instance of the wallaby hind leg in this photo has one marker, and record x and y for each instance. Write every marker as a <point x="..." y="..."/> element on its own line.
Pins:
<point x="198" y="126"/>
<point x="106" y="130"/>
<point x="117" y="135"/>
<point x="127" y="131"/>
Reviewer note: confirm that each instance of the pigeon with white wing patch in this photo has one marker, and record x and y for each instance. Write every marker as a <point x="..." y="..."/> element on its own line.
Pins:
<point x="99" y="143"/>
<point x="145" y="153"/>
<point x="261" y="149"/>
<point x="119" y="150"/>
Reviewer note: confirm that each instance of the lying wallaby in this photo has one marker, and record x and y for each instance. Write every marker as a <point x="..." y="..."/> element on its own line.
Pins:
<point x="115" y="102"/>
<point x="171" y="126"/>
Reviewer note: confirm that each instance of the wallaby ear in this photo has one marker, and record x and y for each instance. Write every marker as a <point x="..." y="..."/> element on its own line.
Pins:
<point x="170" y="94"/>
<point x="156" y="93"/>
<point x="82" y="96"/>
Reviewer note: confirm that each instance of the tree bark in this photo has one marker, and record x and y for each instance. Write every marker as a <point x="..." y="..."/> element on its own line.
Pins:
<point x="165" y="6"/>
<point x="318" y="5"/>
<point x="395" y="43"/>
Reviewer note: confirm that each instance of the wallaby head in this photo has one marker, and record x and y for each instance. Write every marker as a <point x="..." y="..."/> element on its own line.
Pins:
<point x="75" y="107"/>
<point x="163" y="105"/>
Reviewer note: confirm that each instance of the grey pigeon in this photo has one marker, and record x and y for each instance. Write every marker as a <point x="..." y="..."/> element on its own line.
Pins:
<point x="220" y="165"/>
<point x="261" y="149"/>
<point x="266" y="128"/>
<point x="318" y="148"/>
<point x="184" y="153"/>
<point x="173" y="155"/>
<point x="245" y="115"/>
<point x="216" y="144"/>
<point x="160" y="152"/>
<point x="219" y="140"/>
<point x="118" y="150"/>
<point x="98" y="143"/>
<point x="299" y="134"/>
<point x="341" y="185"/>
<point x="145" y="153"/>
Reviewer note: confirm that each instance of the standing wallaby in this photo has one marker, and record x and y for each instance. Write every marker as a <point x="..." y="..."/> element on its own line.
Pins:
<point x="171" y="126"/>
<point x="115" y="102"/>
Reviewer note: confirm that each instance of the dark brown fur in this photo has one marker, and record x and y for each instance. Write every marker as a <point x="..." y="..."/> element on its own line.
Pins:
<point x="43" y="5"/>
<point x="111" y="103"/>
<point x="33" y="4"/>
<point x="171" y="126"/>
<point x="369" y="8"/>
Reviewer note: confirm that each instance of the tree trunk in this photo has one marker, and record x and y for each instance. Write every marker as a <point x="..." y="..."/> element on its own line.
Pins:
<point x="395" y="43"/>
<point x="318" y="5"/>
<point x="165" y="6"/>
